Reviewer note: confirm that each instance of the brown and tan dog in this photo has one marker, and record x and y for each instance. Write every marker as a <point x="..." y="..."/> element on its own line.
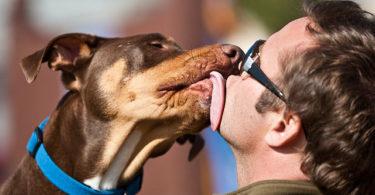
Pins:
<point x="129" y="99"/>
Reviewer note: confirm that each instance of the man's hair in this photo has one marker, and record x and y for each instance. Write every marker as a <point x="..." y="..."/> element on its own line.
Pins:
<point x="331" y="86"/>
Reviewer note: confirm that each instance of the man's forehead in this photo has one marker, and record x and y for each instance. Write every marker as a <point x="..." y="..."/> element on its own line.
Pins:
<point x="293" y="34"/>
<point x="293" y="37"/>
<point x="299" y="23"/>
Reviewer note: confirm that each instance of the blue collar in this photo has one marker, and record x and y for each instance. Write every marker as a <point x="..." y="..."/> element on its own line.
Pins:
<point x="62" y="180"/>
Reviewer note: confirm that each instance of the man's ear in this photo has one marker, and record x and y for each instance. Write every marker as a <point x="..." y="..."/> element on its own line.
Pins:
<point x="68" y="53"/>
<point x="285" y="129"/>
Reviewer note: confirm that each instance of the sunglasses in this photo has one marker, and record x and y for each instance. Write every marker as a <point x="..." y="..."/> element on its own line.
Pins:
<point x="252" y="68"/>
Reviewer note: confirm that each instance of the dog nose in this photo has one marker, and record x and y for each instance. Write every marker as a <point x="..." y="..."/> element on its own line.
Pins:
<point x="233" y="52"/>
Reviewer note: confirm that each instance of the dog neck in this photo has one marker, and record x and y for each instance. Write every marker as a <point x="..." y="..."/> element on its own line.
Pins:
<point x="102" y="154"/>
<point x="72" y="138"/>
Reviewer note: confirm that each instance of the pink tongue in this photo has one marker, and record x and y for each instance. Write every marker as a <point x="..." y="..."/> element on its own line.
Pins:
<point x="217" y="102"/>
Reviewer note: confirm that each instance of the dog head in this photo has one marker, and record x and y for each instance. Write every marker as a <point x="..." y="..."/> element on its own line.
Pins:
<point x="145" y="88"/>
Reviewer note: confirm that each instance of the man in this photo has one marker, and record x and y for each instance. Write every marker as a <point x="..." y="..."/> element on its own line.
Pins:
<point x="310" y="128"/>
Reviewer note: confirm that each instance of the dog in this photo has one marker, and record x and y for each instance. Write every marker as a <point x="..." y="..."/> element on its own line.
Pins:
<point x="128" y="99"/>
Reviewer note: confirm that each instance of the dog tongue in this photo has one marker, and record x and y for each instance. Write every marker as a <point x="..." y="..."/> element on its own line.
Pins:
<point x="217" y="101"/>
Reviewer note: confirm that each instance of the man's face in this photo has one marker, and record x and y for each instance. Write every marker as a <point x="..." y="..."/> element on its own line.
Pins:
<point x="242" y="126"/>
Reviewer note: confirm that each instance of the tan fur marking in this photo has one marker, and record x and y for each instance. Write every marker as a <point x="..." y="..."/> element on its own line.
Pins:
<point x="84" y="50"/>
<point x="141" y="158"/>
<point x="153" y="136"/>
<point x="59" y="60"/>
<point x="118" y="133"/>
<point x="111" y="77"/>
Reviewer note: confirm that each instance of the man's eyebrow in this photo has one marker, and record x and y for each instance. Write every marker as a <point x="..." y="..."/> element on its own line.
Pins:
<point x="261" y="46"/>
<point x="260" y="52"/>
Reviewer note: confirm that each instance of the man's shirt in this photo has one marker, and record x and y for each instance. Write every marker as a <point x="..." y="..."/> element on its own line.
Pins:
<point x="278" y="187"/>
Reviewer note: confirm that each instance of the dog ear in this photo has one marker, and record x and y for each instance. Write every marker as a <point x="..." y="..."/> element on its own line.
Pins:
<point x="67" y="53"/>
<point x="196" y="141"/>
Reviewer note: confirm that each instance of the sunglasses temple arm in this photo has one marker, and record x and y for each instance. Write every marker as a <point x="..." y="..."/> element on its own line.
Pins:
<point x="258" y="75"/>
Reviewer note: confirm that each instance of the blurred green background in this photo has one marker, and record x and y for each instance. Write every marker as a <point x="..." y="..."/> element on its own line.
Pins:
<point x="273" y="13"/>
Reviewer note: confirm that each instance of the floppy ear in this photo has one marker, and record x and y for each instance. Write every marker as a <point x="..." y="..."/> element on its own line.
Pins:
<point x="196" y="141"/>
<point x="284" y="130"/>
<point x="67" y="53"/>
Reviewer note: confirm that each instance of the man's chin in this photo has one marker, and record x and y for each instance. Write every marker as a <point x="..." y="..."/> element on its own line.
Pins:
<point x="225" y="131"/>
<point x="222" y="130"/>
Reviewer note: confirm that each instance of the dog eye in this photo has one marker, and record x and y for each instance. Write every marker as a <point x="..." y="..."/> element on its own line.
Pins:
<point x="157" y="44"/>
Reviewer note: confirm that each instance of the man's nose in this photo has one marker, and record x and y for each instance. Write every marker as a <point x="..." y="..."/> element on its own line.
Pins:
<point x="233" y="52"/>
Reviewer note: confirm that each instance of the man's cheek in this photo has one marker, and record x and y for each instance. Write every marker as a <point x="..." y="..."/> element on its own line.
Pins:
<point x="232" y="108"/>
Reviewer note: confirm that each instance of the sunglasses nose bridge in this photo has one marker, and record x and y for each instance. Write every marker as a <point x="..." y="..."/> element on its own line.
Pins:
<point x="245" y="67"/>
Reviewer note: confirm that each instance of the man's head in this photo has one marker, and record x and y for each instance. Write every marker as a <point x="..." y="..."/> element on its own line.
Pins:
<point x="243" y="94"/>
<point x="325" y="66"/>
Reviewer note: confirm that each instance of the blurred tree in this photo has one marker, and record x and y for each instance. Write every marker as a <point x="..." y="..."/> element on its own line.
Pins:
<point x="273" y="13"/>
